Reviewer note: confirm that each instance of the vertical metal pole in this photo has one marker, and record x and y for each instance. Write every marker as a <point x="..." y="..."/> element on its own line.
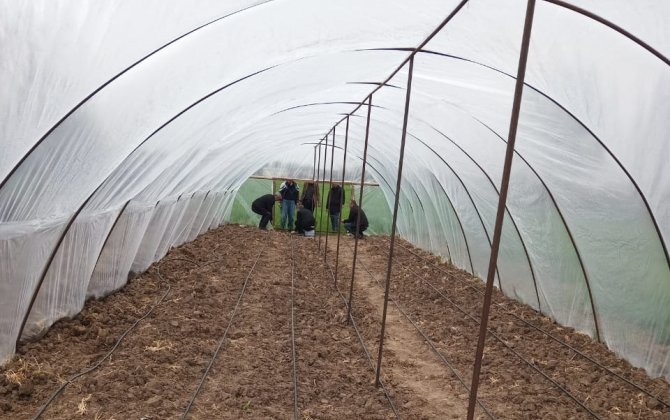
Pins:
<point x="395" y="217"/>
<point x="507" y="168"/>
<point x="330" y="185"/>
<point x="316" y="183"/>
<point x="344" y="168"/>
<point x="360" y="206"/>
<point x="314" y="166"/>
<point x="323" y="186"/>
<point x="274" y="221"/>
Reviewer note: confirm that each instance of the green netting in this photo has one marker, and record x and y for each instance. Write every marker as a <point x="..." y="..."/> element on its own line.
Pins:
<point x="374" y="204"/>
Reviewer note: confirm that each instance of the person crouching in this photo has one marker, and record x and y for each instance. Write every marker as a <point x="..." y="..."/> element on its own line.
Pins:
<point x="350" y="224"/>
<point x="304" y="221"/>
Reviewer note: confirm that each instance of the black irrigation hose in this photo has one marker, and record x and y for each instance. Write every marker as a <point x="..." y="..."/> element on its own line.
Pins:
<point x="429" y="342"/>
<point x="365" y="349"/>
<point x="225" y="334"/>
<point x="548" y="334"/>
<point x="520" y="357"/>
<point x="296" y="410"/>
<point x="116" y="345"/>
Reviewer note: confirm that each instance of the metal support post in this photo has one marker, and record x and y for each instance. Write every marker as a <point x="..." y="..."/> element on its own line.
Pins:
<point x="323" y="187"/>
<point x="395" y="217"/>
<point x="330" y="186"/>
<point x="344" y="168"/>
<point x="507" y="168"/>
<point x="360" y="206"/>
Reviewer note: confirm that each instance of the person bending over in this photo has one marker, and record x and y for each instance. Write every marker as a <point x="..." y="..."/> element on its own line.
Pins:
<point x="263" y="207"/>
<point x="304" y="221"/>
<point x="350" y="223"/>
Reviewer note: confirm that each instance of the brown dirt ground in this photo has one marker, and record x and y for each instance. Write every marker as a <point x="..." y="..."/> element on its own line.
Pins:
<point x="154" y="372"/>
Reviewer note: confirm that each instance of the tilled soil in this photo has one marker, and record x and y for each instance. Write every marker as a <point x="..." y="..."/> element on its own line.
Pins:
<point x="519" y="360"/>
<point x="289" y="293"/>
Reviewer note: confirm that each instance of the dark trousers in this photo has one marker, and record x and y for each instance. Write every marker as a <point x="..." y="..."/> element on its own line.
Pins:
<point x="351" y="228"/>
<point x="266" y="216"/>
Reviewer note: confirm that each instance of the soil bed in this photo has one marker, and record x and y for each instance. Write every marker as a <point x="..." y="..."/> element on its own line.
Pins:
<point x="158" y="366"/>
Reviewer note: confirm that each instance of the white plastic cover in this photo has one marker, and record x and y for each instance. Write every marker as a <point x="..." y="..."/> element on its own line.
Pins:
<point x="163" y="110"/>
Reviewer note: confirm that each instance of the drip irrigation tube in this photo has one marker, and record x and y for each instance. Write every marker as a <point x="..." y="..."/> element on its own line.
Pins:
<point x="552" y="337"/>
<point x="225" y="334"/>
<point x="429" y="342"/>
<point x="519" y="356"/>
<point x="296" y="410"/>
<point x="118" y="341"/>
<point x="360" y="339"/>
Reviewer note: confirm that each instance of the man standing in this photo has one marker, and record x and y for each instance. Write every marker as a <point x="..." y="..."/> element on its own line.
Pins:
<point x="263" y="207"/>
<point x="335" y="202"/>
<point x="290" y="193"/>
<point x="350" y="223"/>
<point x="304" y="221"/>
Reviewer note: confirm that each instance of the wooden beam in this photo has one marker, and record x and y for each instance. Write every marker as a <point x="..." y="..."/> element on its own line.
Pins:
<point x="372" y="184"/>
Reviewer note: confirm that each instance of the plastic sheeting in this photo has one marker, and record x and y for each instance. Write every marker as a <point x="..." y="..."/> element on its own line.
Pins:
<point x="164" y="110"/>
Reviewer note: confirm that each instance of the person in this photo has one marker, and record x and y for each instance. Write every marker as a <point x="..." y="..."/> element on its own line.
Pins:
<point x="335" y="202"/>
<point x="350" y="223"/>
<point x="304" y="221"/>
<point x="289" y="192"/>
<point x="310" y="196"/>
<point x="263" y="207"/>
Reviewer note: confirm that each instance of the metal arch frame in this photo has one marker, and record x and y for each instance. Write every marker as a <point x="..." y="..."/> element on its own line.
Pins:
<point x="291" y="108"/>
<point x="599" y="141"/>
<point x="109" y="234"/>
<point x="381" y="177"/>
<point x="388" y="185"/>
<point x="435" y="31"/>
<point x="509" y="213"/>
<point x="460" y="180"/>
<point x="433" y="208"/>
<point x="374" y="83"/>
<point x="122" y="72"/>
<point x="458" y="219"/>
<point x="549" y="193"/>
<point x="481" y="220"/>
<point x="547" y="189"/>
<point x="576" y="119"/>
<point x="612" y="26"/>
<point x="72" y="219"/>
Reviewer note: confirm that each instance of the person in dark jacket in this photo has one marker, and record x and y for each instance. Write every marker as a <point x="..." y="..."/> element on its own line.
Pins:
<point x="335" y="202"/>
<point x="290" y="193"/>
<point x="304" y="221"/>
<point x="310" y="196"/>
<point x="263" y="207"/>
<point x="350" y="223"/>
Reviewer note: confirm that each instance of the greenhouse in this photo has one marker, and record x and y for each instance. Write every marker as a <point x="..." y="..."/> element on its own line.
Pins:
<point x="488" y="183"/>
